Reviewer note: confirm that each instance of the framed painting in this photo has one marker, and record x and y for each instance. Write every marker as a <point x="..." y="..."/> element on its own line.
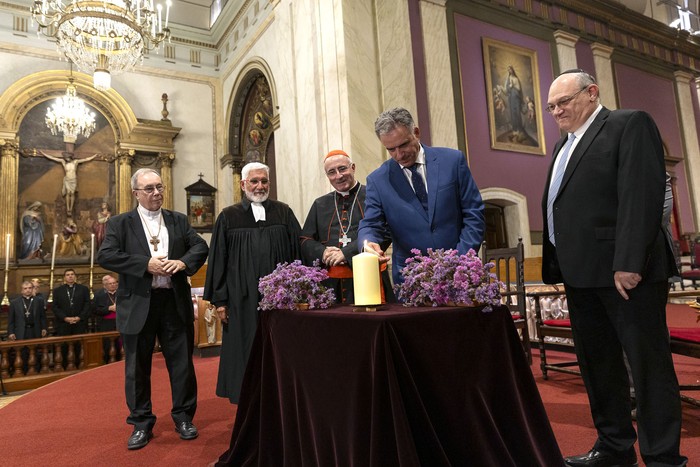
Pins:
<point x="513" y="97"/>
<point x="201" y="199"/>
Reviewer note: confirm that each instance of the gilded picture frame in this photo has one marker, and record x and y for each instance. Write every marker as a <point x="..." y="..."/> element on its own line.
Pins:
<point x="513" y="97"/>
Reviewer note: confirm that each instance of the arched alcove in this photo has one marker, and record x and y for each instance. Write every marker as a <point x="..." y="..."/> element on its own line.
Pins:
<point x="514" y="207"/>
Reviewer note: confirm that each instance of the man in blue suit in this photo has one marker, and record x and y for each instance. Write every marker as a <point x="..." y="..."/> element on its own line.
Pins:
<point x="423" y="197"/>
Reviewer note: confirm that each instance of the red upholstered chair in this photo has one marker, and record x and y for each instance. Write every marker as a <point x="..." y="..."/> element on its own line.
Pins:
<point x="692" y="274"/>
<point x="510" y="269"/>
<point x="686" y="341"/>
<point x="553" y="329"/>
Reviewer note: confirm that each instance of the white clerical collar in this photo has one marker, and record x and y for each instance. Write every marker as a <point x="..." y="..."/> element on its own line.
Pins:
<point x="258" y="211"/>
<point x="151" y="215"/>
<point x="346" y="193"/>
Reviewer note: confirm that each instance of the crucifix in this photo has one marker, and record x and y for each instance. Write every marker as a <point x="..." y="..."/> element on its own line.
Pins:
<point x="70" y="180"/>
<point x="154" y="241"/>
<point x="345" y="239"/>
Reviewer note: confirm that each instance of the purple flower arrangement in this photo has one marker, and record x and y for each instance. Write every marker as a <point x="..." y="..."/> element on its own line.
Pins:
<point x="444" y="277"/>
<point x="291" y="284"/>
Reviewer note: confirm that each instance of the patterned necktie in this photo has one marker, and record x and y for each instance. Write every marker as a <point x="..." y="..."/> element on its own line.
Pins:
<point x="419" y="186"/>
<point x="556" y="183"/>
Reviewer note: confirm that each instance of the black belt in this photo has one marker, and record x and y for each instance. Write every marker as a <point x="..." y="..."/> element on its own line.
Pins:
<point x="161" y="290"/>
<point x="28" y="325"/>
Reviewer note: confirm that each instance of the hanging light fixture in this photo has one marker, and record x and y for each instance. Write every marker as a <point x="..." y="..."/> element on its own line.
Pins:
<point x="103" y="37"/>
<point x="69" y="115"/>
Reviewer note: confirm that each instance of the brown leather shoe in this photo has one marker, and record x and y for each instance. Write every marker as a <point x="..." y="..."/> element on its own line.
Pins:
<point x="595" y="458"/>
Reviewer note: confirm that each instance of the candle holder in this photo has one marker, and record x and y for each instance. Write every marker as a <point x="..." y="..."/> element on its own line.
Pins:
<point x="50" y="299"/>
<point x="366" y="308"/>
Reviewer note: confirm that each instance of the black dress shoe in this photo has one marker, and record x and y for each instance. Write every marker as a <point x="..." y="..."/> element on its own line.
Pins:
<point x="138" y="439"/>
<point x="187" y="430"/>
<point x="595" y="458"/>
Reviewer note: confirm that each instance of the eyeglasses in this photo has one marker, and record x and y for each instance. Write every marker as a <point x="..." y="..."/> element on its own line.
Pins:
<point x="561" y="103"/>
<point x="150" y="189"/>
<point x="256" y="181"/>
<point x="338" y="170"/>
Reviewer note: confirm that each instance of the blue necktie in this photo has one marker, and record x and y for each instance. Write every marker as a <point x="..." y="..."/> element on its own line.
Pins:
<point x="556" y="183"/>
<point x="419" y="186"/>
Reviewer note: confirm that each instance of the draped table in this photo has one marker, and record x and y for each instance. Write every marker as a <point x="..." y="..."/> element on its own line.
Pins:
<point x="400" y="386"/>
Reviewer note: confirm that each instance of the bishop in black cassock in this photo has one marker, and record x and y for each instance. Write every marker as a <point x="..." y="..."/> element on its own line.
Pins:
<point x="249" y="240"/>
<point x="330" y="231"/>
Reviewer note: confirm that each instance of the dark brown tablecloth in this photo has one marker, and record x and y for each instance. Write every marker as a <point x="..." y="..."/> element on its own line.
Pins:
<point x="398" y="387"/>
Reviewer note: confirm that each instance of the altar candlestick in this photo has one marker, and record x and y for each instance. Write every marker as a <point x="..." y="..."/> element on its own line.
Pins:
<point x="53" y="251"/>
<point x="367" y="284"/>
<point x="7" y="252"/>
<point x="92" y="250"/>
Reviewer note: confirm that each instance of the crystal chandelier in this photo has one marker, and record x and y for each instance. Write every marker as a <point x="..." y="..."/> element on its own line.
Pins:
<point x="69" y="115"/>
<point x="103" y="37"/>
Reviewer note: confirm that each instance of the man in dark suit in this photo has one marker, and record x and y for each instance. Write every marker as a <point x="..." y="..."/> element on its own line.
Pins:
<point x="71" y="305"/>
<point x="423" y="197"/>
<point x="604" y="239"/>
<point x="154" y="250"/>
<point x="105" y="308"/>
<point x="27" y="315"/>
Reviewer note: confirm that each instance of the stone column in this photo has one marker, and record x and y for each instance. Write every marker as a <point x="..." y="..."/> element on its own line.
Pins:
<point x="604" y="74"/>
<point x="566" y="50"/>
<point x="443" y="126"/>
<point x="165" y="160"/>
<point x="9" y="171"/>
<point x="125" y="200"/>
<point x="689" y="131"/>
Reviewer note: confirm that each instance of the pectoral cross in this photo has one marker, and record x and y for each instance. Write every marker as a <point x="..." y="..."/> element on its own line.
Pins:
<point x="154" y="241"/>
<point x="345" y="239"/>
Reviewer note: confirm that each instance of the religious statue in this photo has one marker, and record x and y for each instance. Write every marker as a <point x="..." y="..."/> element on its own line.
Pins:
<point x="210" y="320"/>
<point x="70" y="242"/>
<point x="32" y="228"/>
<point x="99" y="226"/>
<point x="70" y="180"/>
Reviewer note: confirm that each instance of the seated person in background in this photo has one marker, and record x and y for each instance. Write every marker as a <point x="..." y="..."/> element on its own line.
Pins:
<point x="330" y="230"/>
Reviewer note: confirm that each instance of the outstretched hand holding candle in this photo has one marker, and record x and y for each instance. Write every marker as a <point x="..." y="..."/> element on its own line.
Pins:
<point x="374" y="248"/>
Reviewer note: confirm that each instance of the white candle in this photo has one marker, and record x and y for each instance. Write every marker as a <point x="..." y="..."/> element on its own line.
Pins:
<point x="53" y="252"/>
<point x="167" y="12"/>
<point x="7" y="252"/>
<point x="92" y="249"/>
<point x="365" y="275"/>
<point x="159" y="7"/>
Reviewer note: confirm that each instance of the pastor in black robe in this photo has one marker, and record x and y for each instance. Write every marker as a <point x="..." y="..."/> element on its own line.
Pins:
<point x="325" y="225"/>
<point x="241" y="252"/>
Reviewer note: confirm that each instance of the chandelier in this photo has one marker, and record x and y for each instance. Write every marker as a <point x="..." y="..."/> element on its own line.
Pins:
<point x="69" y="115"/>
<point x="103" y="37"/>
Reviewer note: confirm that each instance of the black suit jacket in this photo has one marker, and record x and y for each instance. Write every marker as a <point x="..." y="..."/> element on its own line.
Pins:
<point x="15" y="320"/>
<point x="608" y="213"/>
<point x="125" y="251"/>
<point x="81" y="302"/>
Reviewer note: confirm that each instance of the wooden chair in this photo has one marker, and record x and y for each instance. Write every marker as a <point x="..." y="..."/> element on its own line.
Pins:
<point x="553" y="327"/>
<point x="692" y="274"/>
<point x="686" y="341"/>
<point x="510" y="269"/>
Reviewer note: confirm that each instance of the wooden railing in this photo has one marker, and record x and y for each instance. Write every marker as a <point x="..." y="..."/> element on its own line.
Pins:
<point x="31" y="363"/>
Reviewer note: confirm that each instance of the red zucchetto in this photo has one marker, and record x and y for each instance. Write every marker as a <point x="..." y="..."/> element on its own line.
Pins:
<point x="336" y="152"/>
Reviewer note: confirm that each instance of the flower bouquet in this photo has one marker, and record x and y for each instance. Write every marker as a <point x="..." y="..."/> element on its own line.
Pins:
<point x="445" y="277"/>
<point x="292" y="284"/>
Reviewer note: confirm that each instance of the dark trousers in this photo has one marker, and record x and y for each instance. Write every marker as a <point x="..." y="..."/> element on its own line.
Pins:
<point x="177" y="341"/>
<point x="604" y="326"/>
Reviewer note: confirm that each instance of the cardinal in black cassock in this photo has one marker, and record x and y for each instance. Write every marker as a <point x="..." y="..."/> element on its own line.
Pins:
<point x="249" y="240"/>
<point x="330" y="230"/>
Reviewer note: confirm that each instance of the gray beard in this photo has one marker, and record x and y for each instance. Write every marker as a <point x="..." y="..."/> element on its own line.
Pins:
<point x="257" y="198"/>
